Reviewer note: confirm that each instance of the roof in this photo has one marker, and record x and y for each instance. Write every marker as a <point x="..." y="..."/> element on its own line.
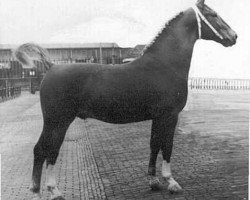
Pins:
<point x="67" y="45"/>
<point x="136" y="51"/>
<point x="140" y="47"/>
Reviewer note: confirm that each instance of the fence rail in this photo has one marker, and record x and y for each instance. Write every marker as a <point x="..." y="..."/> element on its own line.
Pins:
<point x="218" y="84"/>
<point x="9" y="93"/>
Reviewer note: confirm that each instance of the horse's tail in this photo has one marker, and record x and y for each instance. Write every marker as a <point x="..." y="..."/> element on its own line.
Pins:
<point x="27" y="53"/>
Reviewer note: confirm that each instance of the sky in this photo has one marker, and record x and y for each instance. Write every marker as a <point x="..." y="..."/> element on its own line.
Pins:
<point x="128" y="23"/>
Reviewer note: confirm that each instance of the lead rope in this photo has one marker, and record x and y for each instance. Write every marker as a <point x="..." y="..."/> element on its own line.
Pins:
<point x="199" y="17"/>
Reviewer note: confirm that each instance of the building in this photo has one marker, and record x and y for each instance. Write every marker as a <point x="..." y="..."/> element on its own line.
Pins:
<point x="106" y="53"/>
<point x="136" y="51"/>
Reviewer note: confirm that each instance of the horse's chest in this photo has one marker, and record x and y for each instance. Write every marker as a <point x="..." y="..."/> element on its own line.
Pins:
<point x="174" y="100"/>
<point x="180" y="99"/>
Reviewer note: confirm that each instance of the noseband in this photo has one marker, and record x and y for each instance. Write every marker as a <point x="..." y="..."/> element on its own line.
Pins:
<point x="200" y="17"/>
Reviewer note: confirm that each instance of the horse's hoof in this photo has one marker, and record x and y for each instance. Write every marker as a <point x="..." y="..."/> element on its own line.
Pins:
<point x="34" y="189"/>
<point x="174" y="187"/>
<point x="154" y="184"/>
<point x="36" y="196"/>
<point x="58" y="198"/>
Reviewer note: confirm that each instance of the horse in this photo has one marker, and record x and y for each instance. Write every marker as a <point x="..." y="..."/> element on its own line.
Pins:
<point x="152" y="87"/>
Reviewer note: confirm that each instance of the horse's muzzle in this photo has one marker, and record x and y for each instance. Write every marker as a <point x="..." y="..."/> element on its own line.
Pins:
<point x="229" y="41"/>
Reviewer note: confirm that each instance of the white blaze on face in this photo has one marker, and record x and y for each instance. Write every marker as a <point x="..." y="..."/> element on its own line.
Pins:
<point x="51" y="181"/>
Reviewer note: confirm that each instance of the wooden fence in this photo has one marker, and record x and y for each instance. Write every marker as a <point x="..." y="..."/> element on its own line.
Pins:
<point x="218" y="84"/>
<point x="9" y="93"/>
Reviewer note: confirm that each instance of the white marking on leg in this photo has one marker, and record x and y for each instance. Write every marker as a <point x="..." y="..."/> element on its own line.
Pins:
<point x="166" y="173"/>
<point x="50" y="176"/>
<point x="51" y="182"/>
<point x="166" y="170"/>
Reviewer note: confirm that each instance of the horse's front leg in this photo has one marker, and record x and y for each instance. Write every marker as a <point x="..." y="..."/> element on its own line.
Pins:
<point x="155" y="145"/>
<point x="168" y="128"/>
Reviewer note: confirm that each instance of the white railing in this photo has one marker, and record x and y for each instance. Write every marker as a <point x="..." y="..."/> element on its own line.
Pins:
<point x="218" y="84"/>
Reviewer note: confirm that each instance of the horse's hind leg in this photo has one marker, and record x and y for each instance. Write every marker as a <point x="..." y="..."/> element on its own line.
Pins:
<point x="39" y="158"/>
<point x="47" y="148"/>
<point x="53" y="148"/>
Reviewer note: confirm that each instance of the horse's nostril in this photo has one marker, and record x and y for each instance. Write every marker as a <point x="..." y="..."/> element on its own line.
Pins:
<point x="236" y="36"/>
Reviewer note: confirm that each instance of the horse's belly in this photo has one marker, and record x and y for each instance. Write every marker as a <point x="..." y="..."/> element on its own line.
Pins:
<point x="121" y="119"/>
<point x="114" y="114"/>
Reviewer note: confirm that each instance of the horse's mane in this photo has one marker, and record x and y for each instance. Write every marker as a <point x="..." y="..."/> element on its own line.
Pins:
<point x="164" y="30"/>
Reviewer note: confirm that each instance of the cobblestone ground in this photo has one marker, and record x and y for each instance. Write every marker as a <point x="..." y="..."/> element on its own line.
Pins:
<point x="104" y="161"/>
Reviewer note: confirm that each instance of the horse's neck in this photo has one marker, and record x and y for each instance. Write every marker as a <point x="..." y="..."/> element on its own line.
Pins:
<point x="173" y="50"/>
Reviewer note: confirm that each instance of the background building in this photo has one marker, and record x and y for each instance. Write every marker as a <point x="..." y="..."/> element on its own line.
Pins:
<point x="107" y="53"/>
<point x="136" y="51"/>
<point x="13" y="73"/>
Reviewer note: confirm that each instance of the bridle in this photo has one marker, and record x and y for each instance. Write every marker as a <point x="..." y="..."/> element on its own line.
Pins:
<point x="200" y="17"/>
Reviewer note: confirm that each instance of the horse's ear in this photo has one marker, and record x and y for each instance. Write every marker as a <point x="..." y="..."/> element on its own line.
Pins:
<point x="200" y="2"/>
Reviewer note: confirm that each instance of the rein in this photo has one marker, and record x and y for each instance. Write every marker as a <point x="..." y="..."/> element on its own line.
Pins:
<point x="200" y="17"/>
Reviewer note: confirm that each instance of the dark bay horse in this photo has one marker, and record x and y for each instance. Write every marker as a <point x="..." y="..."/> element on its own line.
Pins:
<point x="152" y="87"/>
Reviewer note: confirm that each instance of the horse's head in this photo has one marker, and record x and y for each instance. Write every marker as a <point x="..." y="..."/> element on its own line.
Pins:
<point x="212" y="27"/>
